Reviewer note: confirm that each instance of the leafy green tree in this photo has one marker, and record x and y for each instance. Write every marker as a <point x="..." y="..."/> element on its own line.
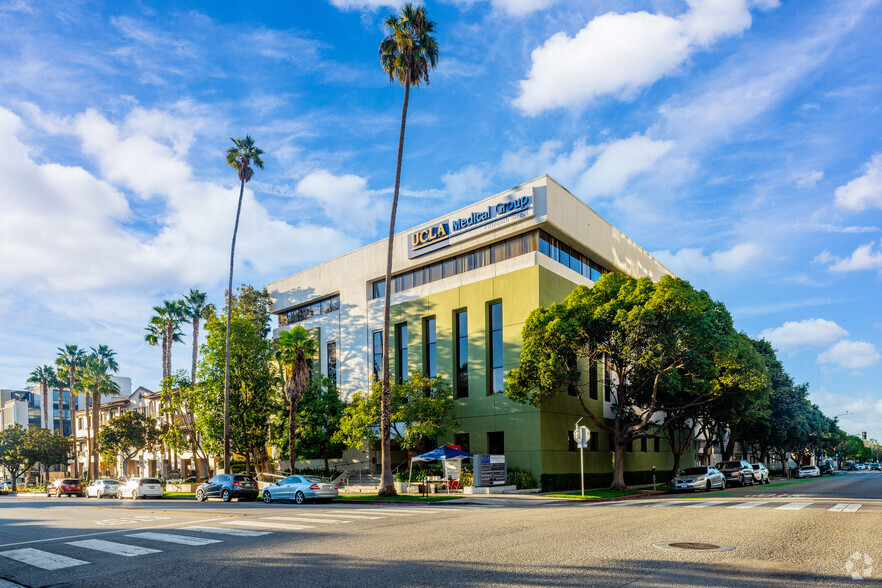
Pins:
<point x="243" y="156"/>
<point x="407" y="55"/>
<point x="852" y="447"/>
<point x="652" y="336"/>
<point x="180" y="399"/>
<point x="295" y="352"/>
<point x="17" y="453"/>
<point x="251" y="377"/>
<point x="49" y="448"/>
<point x="422" y="413"/>
<point x="72" y="358"/>
<point x="127" y="434"/>
<point x="44" y="376"/>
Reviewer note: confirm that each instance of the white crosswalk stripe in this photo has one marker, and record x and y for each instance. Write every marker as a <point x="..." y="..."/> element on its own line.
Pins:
<point x="665" y="503"/>
<point x="113" y="547"/>
<point x="383" y="511"/>
<point x="171" y="538"/>
<point x="233" y="532"/>
<point x="306" y="520"/>
<point x="345" y="515"/>
<point x="268" y="525"/>
<point x="794" y="506"/>
<point x="845" y="507"/>
<point x="42" y="559"/>
<point x="704" y="504"/>
<point x="747" y="504"/>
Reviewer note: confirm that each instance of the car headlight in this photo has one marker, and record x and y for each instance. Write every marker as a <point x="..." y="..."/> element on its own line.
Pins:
<point x="701" y="479"/>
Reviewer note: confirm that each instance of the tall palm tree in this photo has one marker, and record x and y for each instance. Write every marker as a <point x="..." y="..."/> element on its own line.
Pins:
<point x="59" y="382"/>
<point x="98" y="379"/>
<point x="244" y="156"/>
<point x="295" y="351"/>
<point x="44" y="375"/>
<point x="407" y="55"/>
<point x="194" y="307"/>
<point x="71" y="357"/>
<point x="164" y="329"/>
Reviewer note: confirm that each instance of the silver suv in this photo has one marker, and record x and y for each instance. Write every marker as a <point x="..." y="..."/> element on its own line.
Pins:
<point x="760" y="473"/>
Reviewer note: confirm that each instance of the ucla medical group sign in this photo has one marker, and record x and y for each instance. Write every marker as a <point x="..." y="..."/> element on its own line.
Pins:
<point x="438" y="235"/>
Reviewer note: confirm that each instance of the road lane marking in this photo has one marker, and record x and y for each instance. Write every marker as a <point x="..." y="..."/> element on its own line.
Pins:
<point x="234" y="532"/>
<point x="269" y="525"/>
<point x="747" y="504"/>
<point x="42" y="559"/>
<point x="845" y="507"/>
<point x="113" y="547"/>
<point x="382" y="511"/>
<point x="704" y="504"/>
<point x="794" y="506"/>
<point x="105" y="533"/>
<point x="344" y="515"/>
<point x="179" y="539"/>
<point x="666" y="504"/>
<point x="852" y="508"/>
<point x="306" y="520"/>
<point x="837" y="508"/>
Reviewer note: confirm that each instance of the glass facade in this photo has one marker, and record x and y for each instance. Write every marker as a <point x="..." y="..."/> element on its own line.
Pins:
<point x="309" y="310"/>
<point x="462" y="354"/>
<point x="431" y="347"/>
<point x="378" y="354"/>
<point x="332" y="361"/>
<point x="497" y="385"/>
<point x="401" y="355"/>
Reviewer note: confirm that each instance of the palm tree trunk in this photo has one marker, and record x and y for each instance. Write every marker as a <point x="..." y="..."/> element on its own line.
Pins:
<point x="96" y="404"/>
<point x="46" y="421"/>
<point x="387" y="486"/>
<point x="88" y="436"/>
<point x="71" y="410"/>
<point x="292" y="432"/>
<point x="229" y="317"/>
<point x="60" y="410"/>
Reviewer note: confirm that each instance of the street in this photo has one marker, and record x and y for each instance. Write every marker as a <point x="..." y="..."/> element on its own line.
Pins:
<point x="817" y="532"/>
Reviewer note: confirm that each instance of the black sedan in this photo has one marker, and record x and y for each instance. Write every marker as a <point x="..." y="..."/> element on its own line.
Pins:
<point x="228" y="486"/>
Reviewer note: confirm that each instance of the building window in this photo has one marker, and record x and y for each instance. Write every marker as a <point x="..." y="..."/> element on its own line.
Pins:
<point x="306" y="311"/>
<point x="430" y="344"/>
<point x="607" y="381"/>
<point x="462" y="439"/>
<point x="592" y="441"/>
<point x="496" y="443"/>
<point x="401" y="355"/>
<point x="643" y="445"/>
<point x="332" y="362"/>
<point x="592" y="380"/>
<point x="462" y="354"/>
<point x="378" y="354"/>
<point x="629" y="447"/>
<point x="571" y="441"/>
<point x="656" y="444"/>
<point x="497" y="385"/>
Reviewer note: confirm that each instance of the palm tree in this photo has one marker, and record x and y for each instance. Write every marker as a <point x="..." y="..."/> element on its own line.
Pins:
<point x="71" y="357"/>
<point x="97" y="378"/>
<point x="194" y="307"/>
<point x="243" y="157"/>
<point x="164" y="327"/>
<point x="59" y="382"/>
<point x="44" y="375"/>
<point x="407" y="55"/>
<point x="295" y="350"/>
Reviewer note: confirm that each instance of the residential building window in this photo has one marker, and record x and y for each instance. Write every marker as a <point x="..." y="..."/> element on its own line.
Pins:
<point x="378" y="354"/>
<point x="401" y="355"/>
<point x="496" y="443"/>
<point x="461" y="439"/>
<point x="462" y="354"/>
<point x="431" y="347"/>
<point x="592" y="380"/>
<point x="497" y="385"/>
<point x="332" y="362"/>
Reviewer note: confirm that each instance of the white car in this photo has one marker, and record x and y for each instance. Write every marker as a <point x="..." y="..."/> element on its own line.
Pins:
<point x="100" y="488"/>
<point x="140" y="488"/>
<point x="808" y="472"/>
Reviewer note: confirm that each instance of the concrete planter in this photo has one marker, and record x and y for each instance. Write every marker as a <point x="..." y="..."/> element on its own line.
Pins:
<point x="181" y="487"/>
<point x="402" y="487"/>
<point x="490" y="490"/>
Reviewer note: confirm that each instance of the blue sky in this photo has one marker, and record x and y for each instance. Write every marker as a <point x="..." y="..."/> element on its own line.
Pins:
<point x="737" y="140"/>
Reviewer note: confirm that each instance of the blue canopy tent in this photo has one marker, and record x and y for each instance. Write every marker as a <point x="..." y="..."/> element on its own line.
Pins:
<point x="445" y="454"/>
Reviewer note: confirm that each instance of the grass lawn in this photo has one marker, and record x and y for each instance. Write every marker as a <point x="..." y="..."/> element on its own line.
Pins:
<point x="594" y="494"/>
<point x="400" y="497"/>
<point x="179" y="494"/>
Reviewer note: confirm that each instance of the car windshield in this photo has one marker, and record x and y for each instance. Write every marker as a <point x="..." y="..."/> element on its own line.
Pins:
<point x="756" y="466"/>
<point x="317" y="479"/>
<point x="693" y="471"/>
<point x="728" y="465"/>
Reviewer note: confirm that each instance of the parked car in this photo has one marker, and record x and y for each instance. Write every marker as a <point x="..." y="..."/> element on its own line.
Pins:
<point x="737" y="472"/>
<point x="699" y="478"/>
<point x="760" y="473"/>
<point x="140" y="488"/>
<point x="103" y="487"/>
<point x="228" y="486"/>
<point x="826" y="468"/>
<point x="808" y="471"/>
<point x="300" y="489"/>
<point x="67" y="486"/>
<point x="875" y="466"/>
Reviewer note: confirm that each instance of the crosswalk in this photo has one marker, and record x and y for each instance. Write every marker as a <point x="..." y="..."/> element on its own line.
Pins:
<point x="146" y="543"/>
<point x="844" y="507"/>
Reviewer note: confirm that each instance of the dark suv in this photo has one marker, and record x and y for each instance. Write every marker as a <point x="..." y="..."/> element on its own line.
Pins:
<point x="228" y="486"/>
<point x="737" y="472"/>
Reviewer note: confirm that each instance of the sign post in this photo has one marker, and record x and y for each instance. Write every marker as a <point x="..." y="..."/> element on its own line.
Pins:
<point x="581" y="435"/>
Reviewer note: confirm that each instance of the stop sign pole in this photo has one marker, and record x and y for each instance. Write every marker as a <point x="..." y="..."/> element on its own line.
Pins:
<point x="581" y="435"/>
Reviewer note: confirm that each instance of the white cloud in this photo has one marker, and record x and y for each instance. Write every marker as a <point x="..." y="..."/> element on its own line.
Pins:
<point x="864" y="191"/>
<point x="467" y="183"/>
<point x="565" y="167"/>
<point x="364" y="4"/>
<point x="345" y="199"/>
<point x="865" y="257"/>
<point x="621" y="53"/>
<point x="689" y="261"/>
<point x="850" y="355"/>
<point x="808" y="179"/>
<point x="618" y="162"/>
<point x="807" y="332"/>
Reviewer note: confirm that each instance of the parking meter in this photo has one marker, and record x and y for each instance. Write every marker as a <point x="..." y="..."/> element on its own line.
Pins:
<point x="653" y="478"/>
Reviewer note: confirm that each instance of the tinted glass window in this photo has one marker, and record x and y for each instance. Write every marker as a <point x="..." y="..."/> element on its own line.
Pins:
<point x="728" y="465"/>
<point x="70" y="481"/>
<point x="150" y="481"/>
<point x="694" y="471"/>
<point x="316" y="479"/>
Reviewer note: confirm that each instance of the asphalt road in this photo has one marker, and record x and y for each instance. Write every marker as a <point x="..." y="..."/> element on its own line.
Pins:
<point x="805" y="534"/>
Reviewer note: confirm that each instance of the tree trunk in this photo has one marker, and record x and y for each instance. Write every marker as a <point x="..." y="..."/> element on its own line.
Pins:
<point x="229" y="317"/>
<point x="618" y="480"/>
<point x="60" y="411"/>
<point x="88" y="468"/>
<point x="46" y="421"/>
<point x="729" y="451"/>
<point x="387" y="482"/>
<point x="71" y="410"/>
<point x="96" y="404"/>
<point x="292" y="436"/>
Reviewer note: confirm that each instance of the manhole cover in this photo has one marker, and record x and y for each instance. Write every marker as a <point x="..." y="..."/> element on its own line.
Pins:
<point x="693" y="546"/>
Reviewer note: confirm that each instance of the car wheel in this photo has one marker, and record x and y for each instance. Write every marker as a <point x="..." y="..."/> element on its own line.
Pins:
<point x="267" y="497"/>
<point x="707" y="487"/>
<point x="225" y="495"/>
<point x="134" y="495"/>
<point x="119" y="494"/>
<point x="299" y="498"/>
<point x="722" y="485"/>
<point x="200" y="495"/>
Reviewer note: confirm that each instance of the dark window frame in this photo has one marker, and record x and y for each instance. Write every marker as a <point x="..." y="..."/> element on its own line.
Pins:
<point x="401" y="366"/>
<point x="495" y="342"/>
<point x="460" y="346"/>
<point x="430" y="346"/>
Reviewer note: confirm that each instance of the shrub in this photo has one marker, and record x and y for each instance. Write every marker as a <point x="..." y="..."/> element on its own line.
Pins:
<point x="466" y="477"/>
<point x="418" y="473"/>
<point x="523" y="479"/>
